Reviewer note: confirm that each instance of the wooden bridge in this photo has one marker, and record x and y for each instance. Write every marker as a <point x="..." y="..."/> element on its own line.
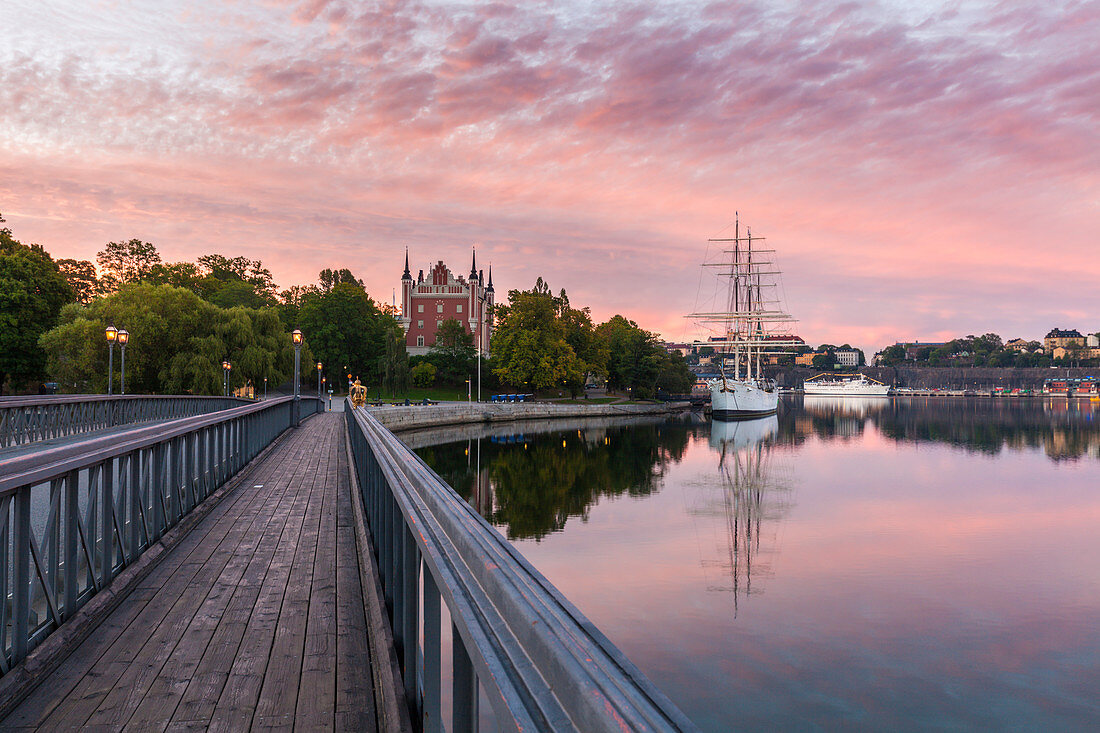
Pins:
<point x="218" y="571"/>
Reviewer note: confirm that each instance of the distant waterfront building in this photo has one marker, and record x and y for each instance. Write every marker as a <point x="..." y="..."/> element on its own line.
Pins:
<point x="1016" y="345"/>
<point x="847" y="357"/>
<point x="1058" y="337"/>
<point x="428" y="301"/>
<point x="1093" y="341"/>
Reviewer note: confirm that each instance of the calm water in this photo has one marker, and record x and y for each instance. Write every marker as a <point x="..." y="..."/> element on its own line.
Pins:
<point x="888" y="564"/>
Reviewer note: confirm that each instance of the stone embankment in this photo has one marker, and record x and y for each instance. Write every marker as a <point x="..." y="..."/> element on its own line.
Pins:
<point x="949" y="377"/>
<point x="409" y="417"/>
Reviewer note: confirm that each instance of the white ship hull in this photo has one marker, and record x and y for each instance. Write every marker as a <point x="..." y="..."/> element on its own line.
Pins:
<point x="854" y="388"/>
<point x="736" y="400"/>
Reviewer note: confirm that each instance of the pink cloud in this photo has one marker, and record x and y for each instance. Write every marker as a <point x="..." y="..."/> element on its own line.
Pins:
<point x="942" y="175"/>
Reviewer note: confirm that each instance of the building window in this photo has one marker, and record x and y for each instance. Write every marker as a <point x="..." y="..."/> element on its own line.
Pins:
<point x="419" y="340"/>
<point x="459" y="308"/>
<point x="420" y="308"/>
<point x="420" y="324"/>
<point x="439" y="308"/>
<point x="438" y="324"/>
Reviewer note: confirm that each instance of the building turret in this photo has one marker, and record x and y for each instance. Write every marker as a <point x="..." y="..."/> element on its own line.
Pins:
<point x="473" y="266"/>
<point x="406" y="295"/>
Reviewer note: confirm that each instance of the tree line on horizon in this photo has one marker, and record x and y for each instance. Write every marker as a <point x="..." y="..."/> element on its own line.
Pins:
<point x="185" y="318"/>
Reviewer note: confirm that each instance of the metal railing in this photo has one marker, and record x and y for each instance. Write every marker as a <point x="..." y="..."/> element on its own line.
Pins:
<point x="29" y="419"/>
<point x="540" y="663"/>
<point x="73" y="516"/>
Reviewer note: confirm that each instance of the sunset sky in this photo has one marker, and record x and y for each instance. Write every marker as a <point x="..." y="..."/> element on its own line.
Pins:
<point x="924" y="170"/>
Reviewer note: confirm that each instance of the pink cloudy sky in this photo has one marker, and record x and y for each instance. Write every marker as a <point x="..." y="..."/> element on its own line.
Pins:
<point x="924" y="169"/>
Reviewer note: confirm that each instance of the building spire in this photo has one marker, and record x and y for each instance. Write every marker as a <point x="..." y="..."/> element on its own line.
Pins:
<point x="490" y="288"/>
<point x="473" y="265"/>
<point x="407" y="275"/>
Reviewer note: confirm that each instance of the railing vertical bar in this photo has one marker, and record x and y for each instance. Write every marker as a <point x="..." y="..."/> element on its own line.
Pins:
<point x="107" y="500"/>
<point x="72" y="537"/>
<point x="433" y="722"/>
<point x="410" y="565"/>
<point x="135" y="506"/>
<point x="21" y="575"/>
<point x="463" y="686"/>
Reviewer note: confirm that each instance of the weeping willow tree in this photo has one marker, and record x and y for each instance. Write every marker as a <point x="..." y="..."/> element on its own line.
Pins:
<point x="395" y="365"/>
<point x="177" y="343"/>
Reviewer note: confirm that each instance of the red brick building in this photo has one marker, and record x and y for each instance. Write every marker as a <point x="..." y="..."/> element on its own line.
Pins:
<point x="428" y="301"/>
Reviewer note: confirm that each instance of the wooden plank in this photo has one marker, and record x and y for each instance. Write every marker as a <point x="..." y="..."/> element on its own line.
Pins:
<point x="254" y="620"/>
<point x="169" y="581"/>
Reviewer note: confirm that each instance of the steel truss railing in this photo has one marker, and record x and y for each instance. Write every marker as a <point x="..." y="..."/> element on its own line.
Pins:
<point x="540" y="663"/>
<point x="73" y="516"/>
<point x="29" y="419"/>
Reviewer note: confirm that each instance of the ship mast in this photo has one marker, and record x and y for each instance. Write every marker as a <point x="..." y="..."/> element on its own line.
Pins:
<point x="753" y="321"/>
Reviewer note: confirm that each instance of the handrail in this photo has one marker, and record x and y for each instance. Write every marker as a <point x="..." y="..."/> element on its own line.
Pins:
<point x="29" y="419"/>
<point x="73" y="516"/>
<point x="541" y="663"/>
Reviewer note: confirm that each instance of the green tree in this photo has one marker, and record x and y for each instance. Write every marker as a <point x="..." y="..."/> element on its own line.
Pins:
<point x="126" y="262"/>
<point x="893" y="355"/>
<point x="453" y="353"/>
<point x="32" y="292"/>
<point x="345" y="327"/>
<point x="823" y="361"/>
<point x="178" y="274"/>
<point x="330" y="278"/>
<point x="177" y="343"/>
<point x="395" y="364"/>
<point x="529" y="346"/>
<point x="423" y="374"/>
<point x="636" y="358"/>
<point x="675" y="377"/>
<point x="81" y="276"/>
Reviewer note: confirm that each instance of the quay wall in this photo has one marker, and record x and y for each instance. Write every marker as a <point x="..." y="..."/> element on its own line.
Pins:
<point x="411" y="417"/>
<point x="916" y="377"/>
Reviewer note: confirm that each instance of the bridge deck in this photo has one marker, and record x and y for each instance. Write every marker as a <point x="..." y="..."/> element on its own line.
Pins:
<point x="254" y="620"/>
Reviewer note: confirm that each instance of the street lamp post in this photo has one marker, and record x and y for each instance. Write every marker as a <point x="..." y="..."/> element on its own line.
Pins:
<point x="112" y="335"/>
<point x="225" y="377"/>
<point x="320" y="366"/>
<point x="265" y="388"/>
<point x="468" y="397"/>
<point x="123" y="338"/>
<point x="296" y="338"/>
<point x="228" y="373"/>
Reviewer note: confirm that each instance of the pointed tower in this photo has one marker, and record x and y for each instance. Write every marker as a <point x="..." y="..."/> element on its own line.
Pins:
<point x="406" y="295"/>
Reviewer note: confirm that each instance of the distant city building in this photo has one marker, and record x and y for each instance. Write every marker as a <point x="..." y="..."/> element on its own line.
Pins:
<point x="808" y="359"/>
<point x="1093" y="340"/>
<point x="913" y="347"/>
<point x="681" y="349"/>
<point x="1058" y="337"/>
<point x="428" y="301"/>
<point x="1016" y="345"/>
<point x="847" y="357"/>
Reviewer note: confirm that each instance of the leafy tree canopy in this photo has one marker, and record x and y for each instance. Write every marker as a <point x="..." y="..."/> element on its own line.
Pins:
<point x="32" y="292"/>
<point x="126" y="262"/>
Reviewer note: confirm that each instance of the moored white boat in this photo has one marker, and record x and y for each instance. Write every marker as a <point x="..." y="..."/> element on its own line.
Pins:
<point x="845" y="385"/>
<point x="751" y="325"/>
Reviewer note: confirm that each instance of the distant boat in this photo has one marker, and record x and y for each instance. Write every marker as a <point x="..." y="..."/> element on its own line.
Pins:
<point x="845" y="385"/>
<point x="752" y="324"/>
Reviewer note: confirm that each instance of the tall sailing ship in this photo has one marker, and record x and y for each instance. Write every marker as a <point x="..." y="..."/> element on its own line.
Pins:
<point x="752" y="325"/>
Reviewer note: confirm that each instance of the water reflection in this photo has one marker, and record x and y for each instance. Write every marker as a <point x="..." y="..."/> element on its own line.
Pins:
<point x="748" y="501"/>
<point x="531" y="481"/>
<point x="1063" y="429"/>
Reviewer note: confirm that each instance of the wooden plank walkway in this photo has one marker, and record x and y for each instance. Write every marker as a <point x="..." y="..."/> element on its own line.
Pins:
<point x="255" y="620"/>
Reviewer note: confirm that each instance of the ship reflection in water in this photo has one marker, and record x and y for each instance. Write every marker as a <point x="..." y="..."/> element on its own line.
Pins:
<point x="748" y="502"/>
<point x="897" y="563"/>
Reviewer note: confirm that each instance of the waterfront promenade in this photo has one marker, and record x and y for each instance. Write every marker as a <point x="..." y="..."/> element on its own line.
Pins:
<point x="254" y="619"/>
